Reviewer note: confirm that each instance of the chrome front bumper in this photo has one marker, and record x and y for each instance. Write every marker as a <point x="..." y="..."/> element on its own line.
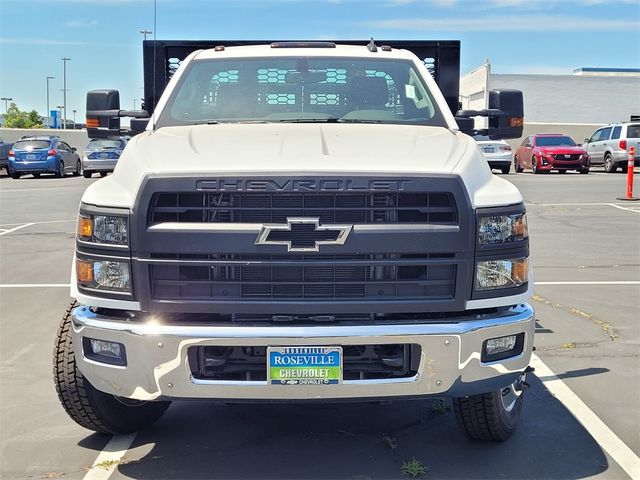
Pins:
<point x="158" y="366"/>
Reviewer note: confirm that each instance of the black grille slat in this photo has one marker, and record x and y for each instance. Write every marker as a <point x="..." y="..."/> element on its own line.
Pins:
<point x="431" y="207"/>
<point x="369" y="277"/>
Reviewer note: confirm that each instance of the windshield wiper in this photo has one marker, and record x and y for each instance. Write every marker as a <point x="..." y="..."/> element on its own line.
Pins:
<point x="205" y="122"/>
<point x="309" y="120"/>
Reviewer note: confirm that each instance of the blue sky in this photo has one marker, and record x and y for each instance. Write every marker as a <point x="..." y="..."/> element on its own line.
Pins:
<point x="103" y="41"/>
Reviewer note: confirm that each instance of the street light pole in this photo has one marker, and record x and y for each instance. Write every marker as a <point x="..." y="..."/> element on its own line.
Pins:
<point x="48" y="113"/>
<point x="64" y="87"/>
<point x="6" y="104"/>
<point x="145" y="33"/>
<point x="74" y="118"/>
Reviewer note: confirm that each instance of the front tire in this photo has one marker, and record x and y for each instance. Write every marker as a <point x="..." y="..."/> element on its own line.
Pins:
<point x="516" y="165"/>
<point x="91" y="408"/>
<point x="86" y="174"/>
<point x="489" y="416"/>
<point x="609" y="166"/>
<point x="584" y="171"/>
<point x="505" y="170"/>
<point x="78" y="169"/>
<point x="534" y="166"/>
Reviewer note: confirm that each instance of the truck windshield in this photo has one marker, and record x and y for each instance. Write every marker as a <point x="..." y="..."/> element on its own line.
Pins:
<point x="301" y="89"/>
<point x="555" y="142"/>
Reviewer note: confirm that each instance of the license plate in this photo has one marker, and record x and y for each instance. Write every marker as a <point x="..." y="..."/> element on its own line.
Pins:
<point x="31" y="156"/>
<point x="489" y="150"/>
<point x="304" y="365"/>
<point x="104" y="155"/>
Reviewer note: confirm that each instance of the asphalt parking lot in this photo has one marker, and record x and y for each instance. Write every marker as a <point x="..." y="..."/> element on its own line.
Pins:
<point x="586" y="259"/>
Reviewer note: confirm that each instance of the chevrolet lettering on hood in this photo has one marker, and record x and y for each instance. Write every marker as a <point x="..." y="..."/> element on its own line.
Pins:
<point x="303" y="185"/>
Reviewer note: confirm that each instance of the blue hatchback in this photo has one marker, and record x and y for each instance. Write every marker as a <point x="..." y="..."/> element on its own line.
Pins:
<point x="36" y="155"/>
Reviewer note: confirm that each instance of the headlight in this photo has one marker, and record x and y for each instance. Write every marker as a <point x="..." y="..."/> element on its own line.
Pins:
<point x="496" y="229"/>
<point x="507" y="273"/>
<point x="107" y="229"/>
<point x="104" y="274"/>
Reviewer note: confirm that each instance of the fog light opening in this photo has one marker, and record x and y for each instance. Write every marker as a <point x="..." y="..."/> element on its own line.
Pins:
<point x="499" y="348"/>
<point x="112" y="353"/>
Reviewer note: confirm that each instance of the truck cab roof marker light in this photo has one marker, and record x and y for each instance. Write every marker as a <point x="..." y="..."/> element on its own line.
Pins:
<point x="303" y="45"/>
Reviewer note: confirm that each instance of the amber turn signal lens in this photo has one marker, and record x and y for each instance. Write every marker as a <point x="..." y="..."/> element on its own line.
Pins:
<point x="513" y="122"/>
<point x="520" y="271"/>
<point x="85" y="227"/>
<point x="93" y="123"/>
<point x="520" y="229"/>
<point x="84" y="272"/>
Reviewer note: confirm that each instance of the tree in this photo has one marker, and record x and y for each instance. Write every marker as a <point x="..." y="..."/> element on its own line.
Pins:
<point x="16" y="118"/>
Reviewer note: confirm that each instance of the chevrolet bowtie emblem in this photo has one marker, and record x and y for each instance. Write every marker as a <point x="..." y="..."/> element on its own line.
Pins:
<point x="301" y="234"/>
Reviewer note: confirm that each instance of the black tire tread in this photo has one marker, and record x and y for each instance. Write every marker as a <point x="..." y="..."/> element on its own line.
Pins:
<point x="480" y="417"/>
<point x="87" y="406"/>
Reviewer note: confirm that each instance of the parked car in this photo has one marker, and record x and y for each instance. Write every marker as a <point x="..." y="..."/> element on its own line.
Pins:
<point x="101" y="156"/>
<point x="544" y="152"/>
<point x="609" y="145"/>
<point x="4" y="155"/>
<point x="497" y="153"/>
<point x="43" y="154"/>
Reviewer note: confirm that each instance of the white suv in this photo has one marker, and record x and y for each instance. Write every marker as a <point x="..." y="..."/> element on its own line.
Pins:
<point x="609" y="145"/>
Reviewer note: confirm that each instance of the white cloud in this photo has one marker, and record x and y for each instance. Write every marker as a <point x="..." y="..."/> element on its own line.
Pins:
<point x="501" y="23"/>
<point x="38" y="41"/>
<point x="81" y="23"/>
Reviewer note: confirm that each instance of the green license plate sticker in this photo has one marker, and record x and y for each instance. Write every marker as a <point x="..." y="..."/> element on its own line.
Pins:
<point x="304" y="365"/>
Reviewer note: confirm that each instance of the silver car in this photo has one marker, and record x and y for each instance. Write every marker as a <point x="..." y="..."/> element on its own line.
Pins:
<point x="101" y="156"/>
<point x="497" y="153"/>
<point x="609" y="145"/>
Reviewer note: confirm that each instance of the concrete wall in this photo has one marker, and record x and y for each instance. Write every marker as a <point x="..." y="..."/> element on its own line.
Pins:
<point x="75" y="138"/>
<point x="574" y="98"/>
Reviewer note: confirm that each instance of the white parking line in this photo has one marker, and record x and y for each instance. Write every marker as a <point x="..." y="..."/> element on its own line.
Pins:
<point x="34" y="285"/>
<point x="583" y="204"/>
<point x="4" y="231"/>
<point x="614" y="282"/>
<point x="107" y="461"/>
<point x="637" y="209"/>
<point x="37" y="223"/>
<point x="602" y="434"/>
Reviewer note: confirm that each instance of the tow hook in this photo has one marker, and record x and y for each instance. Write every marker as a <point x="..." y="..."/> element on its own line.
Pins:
<point x="521" y="384"/>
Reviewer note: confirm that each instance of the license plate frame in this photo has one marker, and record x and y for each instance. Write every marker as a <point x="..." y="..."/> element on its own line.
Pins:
<point x="312" y="365"/>
<point x="104" y="156"/>
<point x="30" y="156"/>
<point x="489" y="150"/>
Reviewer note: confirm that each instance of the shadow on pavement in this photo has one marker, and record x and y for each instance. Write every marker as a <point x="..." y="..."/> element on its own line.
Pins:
<point x="209" y="441"/>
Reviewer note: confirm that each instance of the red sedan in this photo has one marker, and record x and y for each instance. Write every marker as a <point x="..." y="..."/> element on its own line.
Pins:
<point x="544" y="152"/>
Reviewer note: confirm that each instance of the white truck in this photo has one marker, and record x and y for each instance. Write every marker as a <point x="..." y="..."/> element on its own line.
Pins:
<point x="299" y="221"/>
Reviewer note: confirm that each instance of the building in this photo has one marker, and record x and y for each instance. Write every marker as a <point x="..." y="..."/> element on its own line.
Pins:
<point x="593" y="96"/>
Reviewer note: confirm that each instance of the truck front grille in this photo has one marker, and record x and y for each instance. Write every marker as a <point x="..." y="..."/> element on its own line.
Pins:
<point x="226" y="207"/>
<point x="371" y="277"/>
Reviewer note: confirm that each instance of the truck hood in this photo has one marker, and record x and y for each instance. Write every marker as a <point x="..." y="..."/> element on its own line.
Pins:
<point x="290" y="149"/>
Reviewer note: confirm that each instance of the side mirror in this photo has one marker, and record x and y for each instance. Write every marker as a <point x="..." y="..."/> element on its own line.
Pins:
<point x="586" y="140"/>
<point x="73" y="149"/>
<point x="103" y="114"/>
<point x="509" y="123"/>
<point x="138" y="125"/>
<point x="505" y="115"/>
